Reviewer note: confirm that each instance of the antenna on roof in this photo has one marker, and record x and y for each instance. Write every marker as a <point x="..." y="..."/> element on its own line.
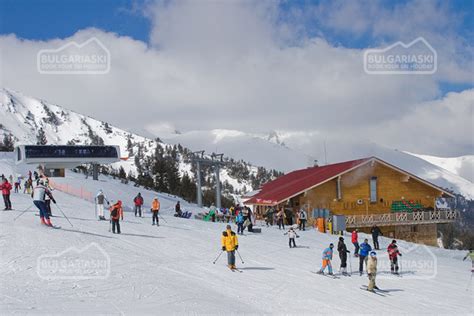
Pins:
<point x="325" y="154"/>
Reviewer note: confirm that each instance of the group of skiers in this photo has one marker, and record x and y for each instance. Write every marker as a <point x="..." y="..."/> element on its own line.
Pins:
<point x="285" y="216"/>
<point x="116" y="210"/>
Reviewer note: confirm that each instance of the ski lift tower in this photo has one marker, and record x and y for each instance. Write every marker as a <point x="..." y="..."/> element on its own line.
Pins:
<point x="215" y="162"/>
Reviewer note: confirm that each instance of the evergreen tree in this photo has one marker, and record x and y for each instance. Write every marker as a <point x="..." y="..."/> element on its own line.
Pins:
<point x="41" y="137"/>
<point x="8" y="144"/>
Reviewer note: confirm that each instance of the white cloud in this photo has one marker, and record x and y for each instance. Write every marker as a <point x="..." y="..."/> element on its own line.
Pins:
<point x="226" y="65"/>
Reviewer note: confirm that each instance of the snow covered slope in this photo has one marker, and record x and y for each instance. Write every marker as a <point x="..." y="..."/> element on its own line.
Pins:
<point x="24" y="116"/>
<point x="462" y="166"/>
<point x="167" y="270"/>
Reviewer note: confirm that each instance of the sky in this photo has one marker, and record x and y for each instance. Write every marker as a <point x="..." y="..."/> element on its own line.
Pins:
<point x="256" y="66"/>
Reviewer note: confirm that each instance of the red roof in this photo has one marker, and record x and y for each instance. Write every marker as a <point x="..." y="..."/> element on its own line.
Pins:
<point x="298" y="181"/>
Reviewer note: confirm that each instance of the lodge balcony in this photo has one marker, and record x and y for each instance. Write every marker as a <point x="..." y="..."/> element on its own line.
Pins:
<point x="439" y="216"/>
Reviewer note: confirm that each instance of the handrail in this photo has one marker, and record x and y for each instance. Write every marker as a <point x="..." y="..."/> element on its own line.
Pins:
<point x="403" y="218"/>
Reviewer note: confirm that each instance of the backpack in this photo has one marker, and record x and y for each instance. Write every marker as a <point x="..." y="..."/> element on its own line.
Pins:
<point x="114" y="212"/>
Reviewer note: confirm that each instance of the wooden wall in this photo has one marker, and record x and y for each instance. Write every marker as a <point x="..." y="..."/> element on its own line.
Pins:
<point x="391" y="186"/>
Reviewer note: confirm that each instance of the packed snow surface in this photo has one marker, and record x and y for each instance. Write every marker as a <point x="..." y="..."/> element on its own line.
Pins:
<point x="168" y="269"/>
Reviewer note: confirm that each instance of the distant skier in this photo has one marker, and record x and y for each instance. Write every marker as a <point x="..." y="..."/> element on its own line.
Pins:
<point x="138" y="200"/>
<point x="6" y="188"/>
<point x="269" y="216"/>
<point x="116" y="214"/>
<point x="355" y="242"/>
<point x="342" y="250"/>
<point x="239" y="220"/>
<point x="364" y="251"/>
<point x="177" y="210"/>
<point x="155" y="209"/>
<point x="372" y="271"/>
<point x="327" y="257"/>
<point x="47" y="199"/>
<point x="213" y="212"/>
<point x="470" y="254"/>
<point x="230" y="244"/>
<point x="375" y="231"/>
<point x="291" y="237"/>
<point x="281" y="218"/>
<point x="393" y="254"/>
<point x="302" y="218"/>
<point x="39" y="195"/>
<point x="100" y="198"/>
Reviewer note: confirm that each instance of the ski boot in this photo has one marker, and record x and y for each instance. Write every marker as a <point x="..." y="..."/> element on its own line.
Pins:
<point x="42" y="221"/>
<point x="48" y="223"/>
<point x="320" y="272"/>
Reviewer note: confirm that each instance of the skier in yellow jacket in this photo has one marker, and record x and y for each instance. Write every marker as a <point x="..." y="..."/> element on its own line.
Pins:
<point x="230" y="244"/>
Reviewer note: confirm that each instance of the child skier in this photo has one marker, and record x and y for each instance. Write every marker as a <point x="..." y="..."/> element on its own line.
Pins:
<point x="342" y="249"/>
<point x="393" y="254"/>
<point x="230" y="244"/>
<point x="327" y="257"/>
<point x="291" y="237"/>
<point x="155" y="208"/>
<point x="116" y="213"/>
<point x="372" y="271"/>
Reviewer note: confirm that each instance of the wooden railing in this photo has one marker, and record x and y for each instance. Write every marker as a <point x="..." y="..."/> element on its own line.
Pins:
<point x="405" y="218"/>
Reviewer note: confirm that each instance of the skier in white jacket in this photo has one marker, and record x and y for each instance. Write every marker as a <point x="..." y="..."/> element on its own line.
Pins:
<point x="292" y="235"/>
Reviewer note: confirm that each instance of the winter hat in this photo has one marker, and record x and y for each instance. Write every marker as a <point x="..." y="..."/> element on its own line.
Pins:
<point x="394" y="241"/>
<point x="228" y="227"/>
<point x="119" y="202"/>
<point x="341" y="238"/>
<point x="331" y="245"/>
<point x="373" y="254"/>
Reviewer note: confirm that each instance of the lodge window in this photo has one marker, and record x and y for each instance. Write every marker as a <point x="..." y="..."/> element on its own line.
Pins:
<point x="373" y="190"/>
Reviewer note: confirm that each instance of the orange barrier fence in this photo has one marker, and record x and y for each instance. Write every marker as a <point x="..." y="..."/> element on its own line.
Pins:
<point x="79" y="192"/>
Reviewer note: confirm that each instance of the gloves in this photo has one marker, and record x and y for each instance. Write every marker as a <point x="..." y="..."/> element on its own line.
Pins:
<point x="236" y="247"/>
<point x="400" y="254"/>
<point x="223" y="248"/>
<point x="348" y="251"/>
<point x="369" y="274"/>
<point x="54" y="201"/>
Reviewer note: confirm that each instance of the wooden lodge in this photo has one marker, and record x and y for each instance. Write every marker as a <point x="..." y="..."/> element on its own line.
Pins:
<point x="366" y="191"/>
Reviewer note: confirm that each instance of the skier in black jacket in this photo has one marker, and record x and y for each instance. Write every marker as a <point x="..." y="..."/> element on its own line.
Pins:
<point x="342" y="249"/>
<point x="375" y="231"/>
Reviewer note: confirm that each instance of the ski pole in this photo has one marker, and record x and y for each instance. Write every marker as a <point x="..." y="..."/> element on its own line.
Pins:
<point x="64" y="214"/>
<point x="214" y="262"/>
<point x="240" y="256"/>
<point x="401" y="267"/>
<point x="23" y="212"/>
<point x="350" y="263"/>
<point x="162" y="218"/>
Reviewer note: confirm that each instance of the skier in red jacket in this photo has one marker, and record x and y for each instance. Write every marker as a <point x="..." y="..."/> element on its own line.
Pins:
<point x="138" y="200"/>
<point x="393" y="254"/>
<point x="355" y="242"/>
<point x="6" y="187"/>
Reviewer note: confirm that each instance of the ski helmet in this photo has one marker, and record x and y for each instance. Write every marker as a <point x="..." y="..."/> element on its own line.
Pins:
<point x="373" y="254"/>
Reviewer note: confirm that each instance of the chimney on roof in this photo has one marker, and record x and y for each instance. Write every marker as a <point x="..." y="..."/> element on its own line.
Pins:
<point x="315" y="163"/>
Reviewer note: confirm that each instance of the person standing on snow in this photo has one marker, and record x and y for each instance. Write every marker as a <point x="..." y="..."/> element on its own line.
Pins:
<point x="281" y="218"/>
<point x="99" y="200"/>
<point x="6" y="188"/>
<point x="138" y="200"/>
<point x="39" y="196"/>
<point x="212" y="212"/>
<point x="155" y="208"/>
<point x="291" y="236"/>
<point x="470" y="254"/>
<point x="230" y="244"/>
<point x="116" y="214"/>
<point x="239" y="220"/>
<point x="375" y="231"/>
<point x="302" y="218"/>
<point x="393" y="254"/>
<point x="327" y="257"/>
<point x="355" y="242"/>
<point x="372" y="271"/>
<point x="365" y="248"/>
<point x="342" y="250"/>
<point x="177" y="210"/>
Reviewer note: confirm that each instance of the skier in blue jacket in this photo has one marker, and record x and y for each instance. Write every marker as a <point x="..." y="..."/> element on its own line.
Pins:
<point x="239" y="220"/>
<point x="364" y="251"/>
<point x="327" y="257"/>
